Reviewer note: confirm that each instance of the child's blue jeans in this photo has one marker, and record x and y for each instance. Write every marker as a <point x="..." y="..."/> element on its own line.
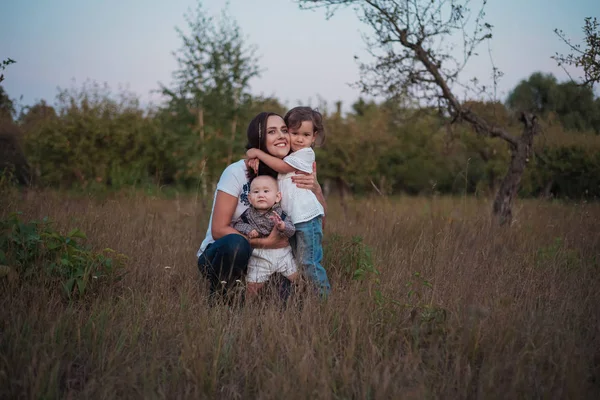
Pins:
<point x="309" y="248"/>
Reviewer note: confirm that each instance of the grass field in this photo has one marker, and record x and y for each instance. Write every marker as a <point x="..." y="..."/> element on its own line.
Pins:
<point x="461" y="308"/>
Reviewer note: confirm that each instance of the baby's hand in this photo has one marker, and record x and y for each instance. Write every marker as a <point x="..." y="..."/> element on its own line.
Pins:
<point x="253" y="234"/>
<point x="277" y="221"/>
<point x="281" y="226"/>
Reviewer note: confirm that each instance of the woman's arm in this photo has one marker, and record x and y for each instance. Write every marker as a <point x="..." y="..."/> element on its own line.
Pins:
<point x="225" y="205"/>
<point x="275" y="163"/>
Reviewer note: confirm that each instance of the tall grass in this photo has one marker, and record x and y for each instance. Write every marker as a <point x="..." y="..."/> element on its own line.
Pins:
<point x="461" y="308"/>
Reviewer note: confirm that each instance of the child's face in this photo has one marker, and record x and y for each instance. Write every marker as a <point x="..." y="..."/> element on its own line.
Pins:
<point x="264" y="193"/>
<point x="303" y="136"/>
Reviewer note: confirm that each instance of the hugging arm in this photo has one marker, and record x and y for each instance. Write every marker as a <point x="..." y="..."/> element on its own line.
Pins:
<point x="275" y="163"/>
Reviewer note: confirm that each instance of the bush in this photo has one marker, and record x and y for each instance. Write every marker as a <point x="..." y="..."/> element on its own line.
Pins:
<point x="34" y="250"/>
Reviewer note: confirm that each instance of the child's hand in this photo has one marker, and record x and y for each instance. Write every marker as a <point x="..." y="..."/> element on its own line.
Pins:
<point x="253" y="234"/>
<point x="276" y="219"/>
<point x="253" y="164"/>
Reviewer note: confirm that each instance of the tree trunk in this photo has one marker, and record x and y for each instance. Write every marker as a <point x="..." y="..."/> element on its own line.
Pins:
<point x="203" y="174"/>
<point x="232" y="141"/>
<point x="519" y="159"/>
<point x="343" y="190"/>
<point x="233" y="128"/>
<point x="547" y="192"/>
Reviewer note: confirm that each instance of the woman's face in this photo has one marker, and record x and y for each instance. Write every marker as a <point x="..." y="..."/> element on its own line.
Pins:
<point x="278" y="138"/>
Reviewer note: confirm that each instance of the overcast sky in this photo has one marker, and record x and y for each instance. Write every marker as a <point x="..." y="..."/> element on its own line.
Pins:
<point x="129" y="43"/>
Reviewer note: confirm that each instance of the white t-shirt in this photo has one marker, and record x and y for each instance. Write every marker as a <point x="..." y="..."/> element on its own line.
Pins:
<point x="233" y="181"/>
<point x="300" y="204"/>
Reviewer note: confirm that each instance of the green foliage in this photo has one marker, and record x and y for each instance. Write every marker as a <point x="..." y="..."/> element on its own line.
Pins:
<point x="3" y="65"/>
<point x="7" y="106"/>
<point x="351" y="257"/>
<point x="557" y="254"/>
<point x="575" y="106"/>
<point x="209" y="99"/>
<point x="34" y="250"/>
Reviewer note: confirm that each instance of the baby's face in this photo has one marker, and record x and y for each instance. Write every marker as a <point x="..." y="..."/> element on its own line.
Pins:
<point x="264" y="193"/>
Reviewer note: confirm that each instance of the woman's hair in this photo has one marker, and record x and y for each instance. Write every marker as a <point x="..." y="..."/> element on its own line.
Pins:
<point x="257" y="139"/>
<point x="297" y="115"/>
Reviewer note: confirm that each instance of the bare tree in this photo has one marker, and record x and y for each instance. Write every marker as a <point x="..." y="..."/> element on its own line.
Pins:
<point x="588" y="57"/>
<point x="413" y="58"/>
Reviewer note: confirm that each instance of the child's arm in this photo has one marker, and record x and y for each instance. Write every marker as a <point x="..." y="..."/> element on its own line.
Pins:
<point x="277" y="164"/>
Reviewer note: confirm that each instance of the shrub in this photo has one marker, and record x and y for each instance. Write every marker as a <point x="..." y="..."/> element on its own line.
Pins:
<point x="34" y="250"/>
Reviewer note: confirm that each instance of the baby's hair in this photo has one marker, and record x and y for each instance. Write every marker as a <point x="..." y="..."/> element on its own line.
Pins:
<point x="297" y="115"/>
<point x="269" y="177"/>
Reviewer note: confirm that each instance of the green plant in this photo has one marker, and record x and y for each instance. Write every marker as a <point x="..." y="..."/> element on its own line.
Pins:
<point x="351" y="256"/>
<point x="34" y="250"/>
<point x="558" y="254"/>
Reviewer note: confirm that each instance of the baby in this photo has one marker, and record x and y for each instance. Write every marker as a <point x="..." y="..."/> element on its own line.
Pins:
<point x="258" y="221"/>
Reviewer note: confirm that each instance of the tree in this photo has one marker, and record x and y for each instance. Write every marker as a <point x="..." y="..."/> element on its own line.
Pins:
<point x="3" y="65"/>
<point x="574" y="105"/>
<point x="412" y="60"/>
<point x="7" y="106"/>
<point x="211" y="83"/>
<point x="588" y="57"/>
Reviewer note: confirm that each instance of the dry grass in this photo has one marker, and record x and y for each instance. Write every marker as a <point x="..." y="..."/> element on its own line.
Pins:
<point x="512" y="313"/>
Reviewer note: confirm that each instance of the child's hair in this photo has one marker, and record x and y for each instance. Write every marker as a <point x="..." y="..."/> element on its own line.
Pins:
<point x="297" y="115"/>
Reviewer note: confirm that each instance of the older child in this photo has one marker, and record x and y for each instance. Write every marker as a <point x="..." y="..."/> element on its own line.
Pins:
<point x="258" y="221"/>
<point x="305" y="125"/>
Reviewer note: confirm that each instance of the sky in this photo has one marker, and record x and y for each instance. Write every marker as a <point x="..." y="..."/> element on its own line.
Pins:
<point x="304" y="57"/>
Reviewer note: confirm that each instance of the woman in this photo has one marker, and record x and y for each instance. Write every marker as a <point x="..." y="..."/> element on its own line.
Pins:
<point x="224" y="253"/>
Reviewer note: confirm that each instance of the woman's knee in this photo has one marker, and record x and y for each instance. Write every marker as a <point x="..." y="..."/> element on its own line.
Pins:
<point x="236" y="243"/>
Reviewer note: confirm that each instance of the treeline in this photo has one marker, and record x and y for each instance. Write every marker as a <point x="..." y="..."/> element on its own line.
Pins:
<point x="93" y="138"/>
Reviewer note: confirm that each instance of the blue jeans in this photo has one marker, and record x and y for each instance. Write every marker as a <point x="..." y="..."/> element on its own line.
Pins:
<point x="225" y="260"/>
<point x="309" y="250"/>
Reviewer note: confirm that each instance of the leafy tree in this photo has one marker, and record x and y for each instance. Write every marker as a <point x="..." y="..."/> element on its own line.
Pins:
<point x="573" y="104"/>
<point x="7" y="106"/>
<point x="537" y="94"/>
<point x="210" y="91"/>
<point x="413" y="61"/>
<point x="91" y="138"/>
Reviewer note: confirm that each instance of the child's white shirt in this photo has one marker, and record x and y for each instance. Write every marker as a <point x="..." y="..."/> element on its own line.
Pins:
<point x="300" y="204"/>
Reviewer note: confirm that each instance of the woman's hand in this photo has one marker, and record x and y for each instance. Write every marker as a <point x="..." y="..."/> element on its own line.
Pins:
<point x="273" y="241"/>
<point x="308" y="181"/>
